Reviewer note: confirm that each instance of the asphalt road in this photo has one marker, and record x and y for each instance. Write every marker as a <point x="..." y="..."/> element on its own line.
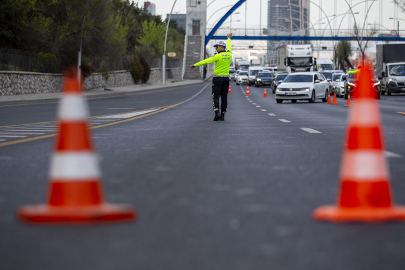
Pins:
<point x="237" y="194"/>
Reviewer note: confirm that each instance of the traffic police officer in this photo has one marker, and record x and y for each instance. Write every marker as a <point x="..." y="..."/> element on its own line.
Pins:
<point x="220" y="82"/>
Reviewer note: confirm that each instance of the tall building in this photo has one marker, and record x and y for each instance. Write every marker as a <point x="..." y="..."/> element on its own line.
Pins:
<point x="149" y="7"/>
<point x="286" y="17"/>
<point x="181" y="19"/>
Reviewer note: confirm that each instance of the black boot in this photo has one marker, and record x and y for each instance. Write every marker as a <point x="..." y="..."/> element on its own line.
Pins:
<point x="217" y="116"/>
<point x="222" y="116"/>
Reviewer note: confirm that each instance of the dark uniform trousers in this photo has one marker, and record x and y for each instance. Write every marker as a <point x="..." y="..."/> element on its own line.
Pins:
<point x="220" y="86"/>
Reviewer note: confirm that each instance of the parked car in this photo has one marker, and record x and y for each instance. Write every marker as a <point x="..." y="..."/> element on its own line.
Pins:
<point x="351" y="84"/>
<point x="303" y="86"/>
<point x="277" y="79"/>
<point x="236" y="75"/>
<point x="242" y="77"/>
<point x="263" y="78"/>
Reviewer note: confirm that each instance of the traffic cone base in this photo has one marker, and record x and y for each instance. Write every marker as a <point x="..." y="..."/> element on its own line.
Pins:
<point x="71" y="214"/>
<point x="334" y="100"/>
<point x="342" y="214"/>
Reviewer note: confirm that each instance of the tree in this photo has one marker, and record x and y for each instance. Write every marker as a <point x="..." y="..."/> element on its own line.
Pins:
<point x="153" y="35"/>
<point x="343" y="53"/>
<point x="400" y="3"/>
<point x="358" y="34"/>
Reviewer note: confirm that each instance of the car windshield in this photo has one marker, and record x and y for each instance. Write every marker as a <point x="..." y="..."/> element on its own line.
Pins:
<point x="231" y="71"/>
<point x="343" y="78"/>
<point x="397" y="70"/>
<point x="299" y="61"/>
<point x="327" y="75"/>
<point x="336" y="77"/>
<point x="265" y="74"/>
<point x="298" y="78"/>
<point x="243" y="73"/>
<point x="281" y="77"/>
<point x="254" y="72"/>
<point x="325" y="66"/>
<point x="352" y="76"/>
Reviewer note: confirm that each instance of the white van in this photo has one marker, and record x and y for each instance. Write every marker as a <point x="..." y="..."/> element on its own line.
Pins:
<point x="324" y="64"/>
<point x="270" y="68"/>
<point x="252" y="72"/>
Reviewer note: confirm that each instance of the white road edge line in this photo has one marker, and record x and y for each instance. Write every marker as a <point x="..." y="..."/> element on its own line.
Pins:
<point x="193" y="96"/>
<point x="310" y="130"/>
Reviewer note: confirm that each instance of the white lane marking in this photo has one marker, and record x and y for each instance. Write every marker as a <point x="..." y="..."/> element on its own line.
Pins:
<point x="250" y="100"/>
<point x="193" y="96"/>
<point x="254" y="103"/>
<point x="257" y="106"/>
<point x="310" y="130"/>
<point x="2" y="140"/>
<point x="272" y="114"/>
<point x="10" y="133"/>
<point x="128" y="115"/>
<point x="34" y="130"/>
<point x="263" y="110"/>
<point x="10" y="136"/>
<point x="284" y="120"/>
<point x="120" y="108"/>
<point x="392" y="155"/>
<point x="400" y="112"/>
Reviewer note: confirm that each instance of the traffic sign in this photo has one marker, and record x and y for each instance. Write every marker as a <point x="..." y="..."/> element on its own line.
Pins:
<point x="394" y="33"/>
<point x="171" y="54"/>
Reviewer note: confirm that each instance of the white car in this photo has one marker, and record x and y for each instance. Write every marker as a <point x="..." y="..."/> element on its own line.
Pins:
<point x="242" y="77"/>
<point x="334" y="84"/>
<point x="253" y="71"/>
<point x="340" y="86"/>
<point x="303" y="86"/>
<point x="236" y="75"/>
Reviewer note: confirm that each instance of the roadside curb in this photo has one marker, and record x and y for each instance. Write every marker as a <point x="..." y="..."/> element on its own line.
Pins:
<point x="96" y="96"/>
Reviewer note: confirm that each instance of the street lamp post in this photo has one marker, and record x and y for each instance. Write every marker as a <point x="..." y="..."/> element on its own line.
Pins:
<point x="79" y="60"/>
<point x="164" y="51"/>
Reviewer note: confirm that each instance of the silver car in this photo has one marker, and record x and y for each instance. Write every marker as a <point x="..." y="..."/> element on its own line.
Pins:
<point x="235" y="77"/>
<point x="231" y="74"/>
<point x="334" y="84"/>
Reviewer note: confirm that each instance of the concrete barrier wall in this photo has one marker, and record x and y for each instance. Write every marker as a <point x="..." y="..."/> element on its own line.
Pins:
<point x="20" y="83"/>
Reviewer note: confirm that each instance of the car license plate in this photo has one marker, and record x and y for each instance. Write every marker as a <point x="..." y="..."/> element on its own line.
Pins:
<point x="266" y="82"/>
<point x="290" y="93"/>
<point x="402" y="89"/>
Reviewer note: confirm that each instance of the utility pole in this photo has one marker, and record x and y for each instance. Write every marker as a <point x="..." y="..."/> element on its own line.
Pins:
<point x="79" y="60"/>
<point x="164" y="51"/>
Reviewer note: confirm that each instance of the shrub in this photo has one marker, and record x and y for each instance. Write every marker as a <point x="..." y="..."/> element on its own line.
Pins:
<point x="146" y="70"/>
<point x="136" y="69"/>
<point x="86" y="69"/>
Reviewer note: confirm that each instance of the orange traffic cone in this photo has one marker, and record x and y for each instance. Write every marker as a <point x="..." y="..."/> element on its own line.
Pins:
<point x="349" y="104"/>
<point x="75" y="194"/>
<point x="265" y="93"/>
<point x="247" y="90"/>
<point x="365" y="191"/>
<point x="334" y="99"/>
<point x="230" y="90"/>
<point x="329" y="101"/>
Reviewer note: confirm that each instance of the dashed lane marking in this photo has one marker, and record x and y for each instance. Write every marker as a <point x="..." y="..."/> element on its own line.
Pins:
<point x="254" y="103"/>
<point x="19" y="133"/>
<point x="257" y="106"/>
<point x="120" y="108"/>
<point x="310" y="130"/>
<point x="284" y="120"/>
<point x="272" y="114"/>
<point x="263" y="110"/>
<point x="392" y="155"/>
<point x="12" y="136"/>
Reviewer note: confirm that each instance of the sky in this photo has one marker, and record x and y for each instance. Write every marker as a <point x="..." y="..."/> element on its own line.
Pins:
<point x="256" y="17"/>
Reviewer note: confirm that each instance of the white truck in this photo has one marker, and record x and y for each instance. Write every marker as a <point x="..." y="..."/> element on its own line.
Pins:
<point x="295" y="58"/>
<point x="324" y="64"/>
<point x="390" y="68"/>
<point x="243" y="65"/>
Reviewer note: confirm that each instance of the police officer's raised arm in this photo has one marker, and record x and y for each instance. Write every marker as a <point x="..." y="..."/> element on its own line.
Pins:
<point x="228" y="45"/>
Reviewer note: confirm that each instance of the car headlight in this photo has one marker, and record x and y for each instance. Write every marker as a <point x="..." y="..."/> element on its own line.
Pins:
<point x="304" y="89"/>
<point x="259" y="79"/>
<point x="392" y="79"/>
<point x="278" y="89"/>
